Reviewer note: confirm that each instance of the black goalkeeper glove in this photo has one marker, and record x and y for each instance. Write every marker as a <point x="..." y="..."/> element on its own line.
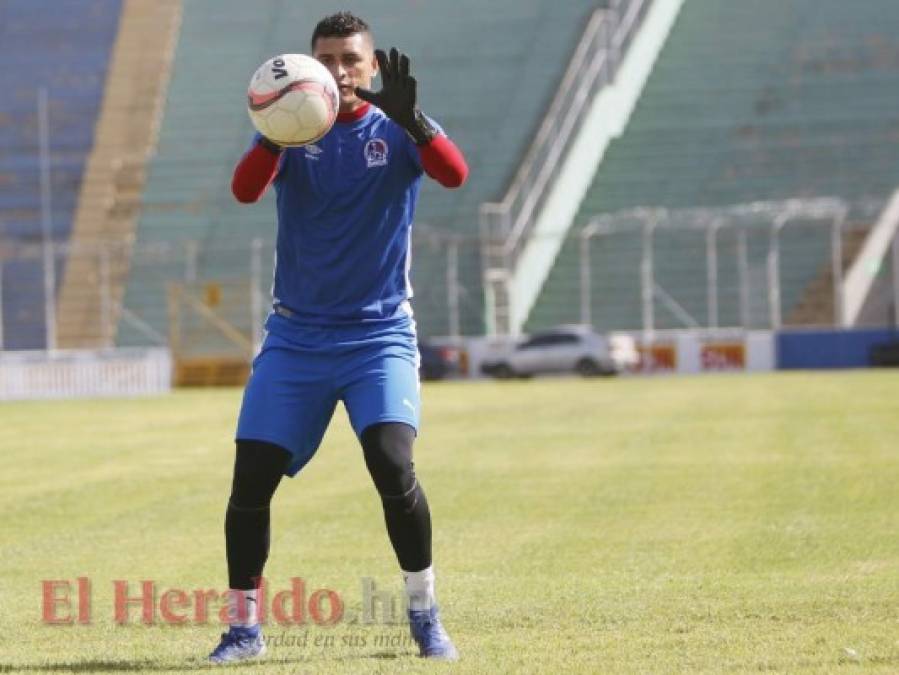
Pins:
<point x="398" y="95"/>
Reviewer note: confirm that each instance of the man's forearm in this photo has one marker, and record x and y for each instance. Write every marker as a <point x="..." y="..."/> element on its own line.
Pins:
<point x="444" y="162"/>
<point x="254" y="173"/>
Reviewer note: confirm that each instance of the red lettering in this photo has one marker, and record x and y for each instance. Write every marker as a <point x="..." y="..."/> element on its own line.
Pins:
<point x="173" y="599"/>
<point x="297" y="593"/>
<point x="234" y="610"/>
<point x="84" y="600"/>
<point x="147" y="600"/>
<point x="315" y="607"/>
<point x="261" y="590"/>
<point x="51" y="600"/>
<point x="201" y="604"/>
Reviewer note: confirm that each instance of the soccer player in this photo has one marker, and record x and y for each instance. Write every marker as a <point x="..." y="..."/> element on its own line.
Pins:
<point x="341" y="326"/>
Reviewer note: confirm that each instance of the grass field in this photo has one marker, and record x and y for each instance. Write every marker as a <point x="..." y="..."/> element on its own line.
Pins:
<point x="708" y="524"/>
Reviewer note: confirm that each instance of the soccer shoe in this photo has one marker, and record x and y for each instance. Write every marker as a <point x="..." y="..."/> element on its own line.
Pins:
<point x="430" y="636"/>
<point x="238" y="644"/>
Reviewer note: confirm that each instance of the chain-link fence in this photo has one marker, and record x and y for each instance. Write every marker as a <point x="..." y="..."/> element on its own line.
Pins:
<point x="753" y="266"/>
<point x="750" y="267"/>
<point x="195" y="296"/>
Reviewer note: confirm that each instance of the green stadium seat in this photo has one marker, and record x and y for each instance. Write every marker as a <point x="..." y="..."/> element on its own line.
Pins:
<point x="486" y="73"/>
<point x="747" y="102"/>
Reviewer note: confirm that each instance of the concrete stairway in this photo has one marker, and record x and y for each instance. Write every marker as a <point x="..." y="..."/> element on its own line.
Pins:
<point x="127" y="129"/>
<point x="816" y="305"/>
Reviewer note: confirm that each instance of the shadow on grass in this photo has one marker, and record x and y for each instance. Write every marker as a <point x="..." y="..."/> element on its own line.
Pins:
<point x="109" y="666"/>
<point x="99" y="666"/>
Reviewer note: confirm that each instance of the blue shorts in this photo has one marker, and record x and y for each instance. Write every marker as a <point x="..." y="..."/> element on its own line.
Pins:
<point x="301" y="372"/>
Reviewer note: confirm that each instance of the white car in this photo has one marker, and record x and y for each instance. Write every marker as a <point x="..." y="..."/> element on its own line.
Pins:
<point x="566" y="349"/>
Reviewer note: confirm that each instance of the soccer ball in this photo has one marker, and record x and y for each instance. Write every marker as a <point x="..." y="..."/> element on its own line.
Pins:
<point x="292" y="100"/>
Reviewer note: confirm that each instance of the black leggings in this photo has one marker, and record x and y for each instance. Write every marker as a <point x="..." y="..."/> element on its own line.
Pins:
<point x="259" y="467"/>
<point x="388" y="456"/>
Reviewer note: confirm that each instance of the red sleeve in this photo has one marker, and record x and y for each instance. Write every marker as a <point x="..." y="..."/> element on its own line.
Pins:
<point x="254" y="173"/>
<point x="444" y="162"/>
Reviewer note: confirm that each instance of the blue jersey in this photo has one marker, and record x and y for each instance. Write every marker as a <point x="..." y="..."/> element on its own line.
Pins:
<point x="345" y="208"/>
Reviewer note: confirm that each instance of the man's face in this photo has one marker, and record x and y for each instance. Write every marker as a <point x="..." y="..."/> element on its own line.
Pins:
<point x="351" y="61"/>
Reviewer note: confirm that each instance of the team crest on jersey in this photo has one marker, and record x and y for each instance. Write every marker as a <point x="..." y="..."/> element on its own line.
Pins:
<point x="376" y="152"/>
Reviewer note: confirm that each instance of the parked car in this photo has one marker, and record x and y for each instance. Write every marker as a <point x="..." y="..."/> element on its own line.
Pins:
<point x="566" y="349"/>
<point x="437" y="362"/>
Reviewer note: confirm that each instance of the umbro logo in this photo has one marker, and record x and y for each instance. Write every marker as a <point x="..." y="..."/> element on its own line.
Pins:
<point x="312" y="151"/>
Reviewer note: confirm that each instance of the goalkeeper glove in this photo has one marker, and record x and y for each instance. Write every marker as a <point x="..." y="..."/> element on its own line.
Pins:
<point x="398" y="96"/>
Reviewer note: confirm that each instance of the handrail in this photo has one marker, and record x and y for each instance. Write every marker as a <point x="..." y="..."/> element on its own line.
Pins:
<point x="593" y="65"/>
<point x="859" y="277"/>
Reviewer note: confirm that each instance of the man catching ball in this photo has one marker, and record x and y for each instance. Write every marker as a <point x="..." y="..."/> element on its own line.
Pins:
<point x="341" y="328"/>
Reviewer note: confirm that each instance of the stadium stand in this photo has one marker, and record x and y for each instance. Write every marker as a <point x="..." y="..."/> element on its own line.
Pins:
<point x="747" y="102"/>
<point x="65" y="50"/>
<point x="486" y="72"/>
<point x="115" y="172"/>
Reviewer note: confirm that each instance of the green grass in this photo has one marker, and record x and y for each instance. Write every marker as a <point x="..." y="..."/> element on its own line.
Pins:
<point x="707" y="524"/>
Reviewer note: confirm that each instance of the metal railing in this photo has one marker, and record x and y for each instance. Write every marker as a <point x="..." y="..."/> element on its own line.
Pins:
<point x="507" y="224"/>
<point x="214" y="294"/>
<point x="766" y="265"/>
<point x="752" y="266"/>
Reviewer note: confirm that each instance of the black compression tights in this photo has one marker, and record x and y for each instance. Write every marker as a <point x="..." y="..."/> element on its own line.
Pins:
<point x="388" y="456"/>
<point x="259" y="467"/>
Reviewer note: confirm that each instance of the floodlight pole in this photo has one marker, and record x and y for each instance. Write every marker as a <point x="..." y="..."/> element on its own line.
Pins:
<point x="711" y="256"/>
<point x="647" y="281"/>
<point x="191" y="255"/>
<point x="255" y="298"/>
<point x="452" y="287"/>
<point x="47" y="220"/>
<point x="774" y="308"/>
<point x="1" y="304"/>
<point x="743" y="269"/>
<point x="836" y="262"/>
<point x="895" y="248"/>
<point x="585" y="275"/>
<point x="106" y="330"/>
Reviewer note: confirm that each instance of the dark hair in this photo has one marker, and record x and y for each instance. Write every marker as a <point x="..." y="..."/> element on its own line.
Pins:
<point x="342" y="24"/>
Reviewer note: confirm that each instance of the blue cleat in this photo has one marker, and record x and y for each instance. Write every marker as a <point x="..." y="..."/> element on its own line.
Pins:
<point x="239" y="644"/>
<point x="430" y="636"/>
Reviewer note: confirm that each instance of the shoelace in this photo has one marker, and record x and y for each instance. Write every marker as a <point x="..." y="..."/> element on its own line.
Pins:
<point x="232" y="639"/>
<point x="431" y="628"/>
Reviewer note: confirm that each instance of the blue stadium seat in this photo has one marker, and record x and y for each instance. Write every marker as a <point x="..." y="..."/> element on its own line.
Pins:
<point x="63" y="46"/>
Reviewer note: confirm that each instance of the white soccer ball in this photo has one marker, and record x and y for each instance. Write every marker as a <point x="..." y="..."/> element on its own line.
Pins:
<point x="293" y="100"/>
